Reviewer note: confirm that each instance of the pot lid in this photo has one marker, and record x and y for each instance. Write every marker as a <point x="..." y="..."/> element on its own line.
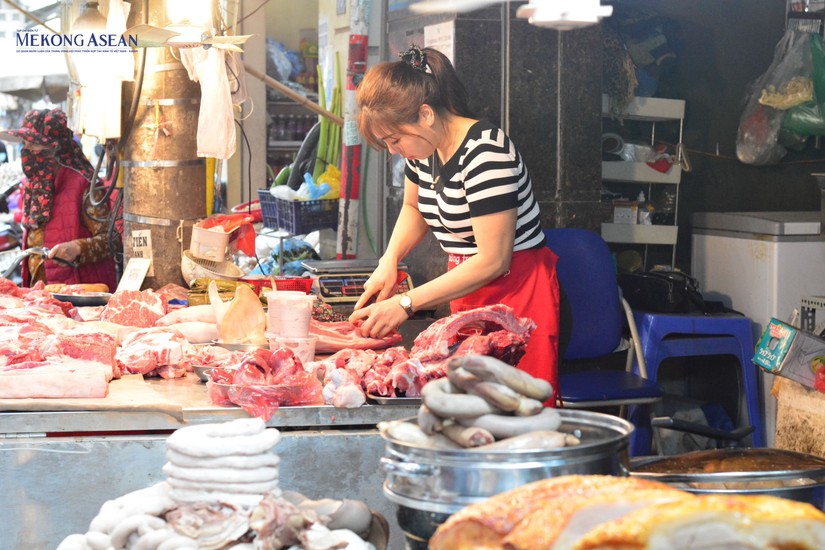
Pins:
<point x="728" y="463"/>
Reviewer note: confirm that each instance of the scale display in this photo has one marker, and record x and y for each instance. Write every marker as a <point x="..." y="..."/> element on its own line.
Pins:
<point x="348" y="287"/>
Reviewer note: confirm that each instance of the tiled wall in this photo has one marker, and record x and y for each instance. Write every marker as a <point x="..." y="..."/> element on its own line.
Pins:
<point x="553" y="107"/>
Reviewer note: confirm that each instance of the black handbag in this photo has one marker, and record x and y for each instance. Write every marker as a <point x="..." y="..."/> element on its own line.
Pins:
<point x="662" y="291"/>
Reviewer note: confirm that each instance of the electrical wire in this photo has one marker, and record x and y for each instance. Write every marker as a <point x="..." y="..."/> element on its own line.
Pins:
<point x="248" y="15"/>
<point x="733" y="158"/>
<point x="112" y="232"/>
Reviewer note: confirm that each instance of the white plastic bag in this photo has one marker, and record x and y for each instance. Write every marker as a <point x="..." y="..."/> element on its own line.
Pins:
<point x="216" y="120"/>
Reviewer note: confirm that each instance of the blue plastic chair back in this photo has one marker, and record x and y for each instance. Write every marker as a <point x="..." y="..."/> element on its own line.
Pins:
<point x="587" y="274"/>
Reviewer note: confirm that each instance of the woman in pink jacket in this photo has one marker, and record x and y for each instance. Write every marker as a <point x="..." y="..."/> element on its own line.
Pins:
<point x="57" y="211"/>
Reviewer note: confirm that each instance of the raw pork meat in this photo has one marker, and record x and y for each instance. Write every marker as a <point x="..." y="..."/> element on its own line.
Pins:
<point x="442" y="338"/>
<point x="340" y="335"/>
<point x="135" y="308"/>
<point x="373" y="372"/>
<point x="85" y="344"/>
<point x="157" y="351"/>
<point x="20" y="316"/>
<point x="204" y="313"/>
<point x="171" y="291"/>
<point x="9" y="288"/>
<point x="264" y="381"/>
<point x="213" y="356"/>
<point x="343" y="390"/>
<point x="65" y="378"/>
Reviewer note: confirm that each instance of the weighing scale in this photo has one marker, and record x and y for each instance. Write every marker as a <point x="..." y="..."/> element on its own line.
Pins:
<point x="341" y="282"/>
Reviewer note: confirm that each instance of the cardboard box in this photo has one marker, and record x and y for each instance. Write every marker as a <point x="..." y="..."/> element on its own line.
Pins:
<point x="792" y="353"/>
<point x="625" y="211"/>
<point x="800" y="418"/>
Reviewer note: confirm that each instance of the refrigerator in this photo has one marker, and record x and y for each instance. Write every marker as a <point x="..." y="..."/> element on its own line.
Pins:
<point x="761" y="264"/>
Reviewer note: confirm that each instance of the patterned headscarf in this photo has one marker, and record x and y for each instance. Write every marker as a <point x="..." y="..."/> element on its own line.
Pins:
<point x="46" y="127"/>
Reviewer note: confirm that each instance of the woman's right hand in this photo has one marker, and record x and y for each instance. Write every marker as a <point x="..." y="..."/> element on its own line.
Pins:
<point x="380" y="285"/>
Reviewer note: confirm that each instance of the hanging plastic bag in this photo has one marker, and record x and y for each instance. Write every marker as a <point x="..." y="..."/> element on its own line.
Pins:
<point x="216" y="118"/>
<point x="757" y="141"/>
<point x="808" y="119"/>
<point x="788" y="83"/>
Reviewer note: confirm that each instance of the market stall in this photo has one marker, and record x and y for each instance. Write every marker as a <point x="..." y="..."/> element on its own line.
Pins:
<point x="60" y="466"/>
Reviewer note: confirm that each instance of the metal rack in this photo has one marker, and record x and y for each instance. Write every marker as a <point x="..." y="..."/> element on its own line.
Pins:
<point x="655" y="111"/>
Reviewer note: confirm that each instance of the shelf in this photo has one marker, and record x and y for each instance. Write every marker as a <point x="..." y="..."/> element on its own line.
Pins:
<point x="631" y="233"/>
<point x="639" y="172"/>
<point x="284" y="145"/>
<point x="650" y="110"/>
<point x="653" y="109"/>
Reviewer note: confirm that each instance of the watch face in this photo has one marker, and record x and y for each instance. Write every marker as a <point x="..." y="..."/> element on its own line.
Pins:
<point x="406" y="301"/>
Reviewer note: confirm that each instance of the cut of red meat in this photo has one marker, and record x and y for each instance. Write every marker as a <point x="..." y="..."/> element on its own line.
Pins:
<point x="404" y="377"/>
<point x="39" y="296"/>
<point x="23" y="315"/>
<point x="9" y="288"/>
<point x="134" y="308"/>
<point x="147" y="350"/>
<point x="341" y="335"/>
<point x="441" y="339"/>
<point x="84" y="345"/>
<point x="213" y="356"/>
<point x="264" y="381"/>
<point x="501" y="344"/>
<point x="377" y="381"/>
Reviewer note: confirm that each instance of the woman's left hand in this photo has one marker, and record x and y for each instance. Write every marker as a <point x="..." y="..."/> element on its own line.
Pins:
<point x="380" y="318"/>
<point x="68" y="251"/>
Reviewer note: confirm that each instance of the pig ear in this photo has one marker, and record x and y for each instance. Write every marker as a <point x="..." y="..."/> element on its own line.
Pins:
<point x="218" y="305"/>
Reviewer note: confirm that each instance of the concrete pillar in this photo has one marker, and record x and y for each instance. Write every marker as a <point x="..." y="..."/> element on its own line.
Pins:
<point x="164" y="181"/>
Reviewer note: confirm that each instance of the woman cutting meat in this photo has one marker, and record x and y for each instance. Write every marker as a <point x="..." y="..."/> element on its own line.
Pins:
<point x="57" y="211"/>
<point x="467" y="182"/>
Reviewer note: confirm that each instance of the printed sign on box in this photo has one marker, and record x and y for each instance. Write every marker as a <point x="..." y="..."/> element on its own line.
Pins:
<point x="793" y="353"/>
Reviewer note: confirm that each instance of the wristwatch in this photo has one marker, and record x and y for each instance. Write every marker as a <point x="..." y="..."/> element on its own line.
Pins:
<point x="406" y="303"/>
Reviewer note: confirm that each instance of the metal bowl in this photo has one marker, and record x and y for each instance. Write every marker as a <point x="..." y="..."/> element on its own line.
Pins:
<point x="239" y="347"/>
<point x="203" y="373"/>
<point x="774" y="472"/>
<point x="86" y="299"/>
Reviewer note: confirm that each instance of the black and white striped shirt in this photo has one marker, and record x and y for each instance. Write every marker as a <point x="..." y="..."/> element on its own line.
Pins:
<point x="485" y="175"/>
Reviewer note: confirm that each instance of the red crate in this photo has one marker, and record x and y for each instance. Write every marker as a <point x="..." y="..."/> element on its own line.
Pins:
<point x="302" y="284"/>
<point x="264" y="284"/>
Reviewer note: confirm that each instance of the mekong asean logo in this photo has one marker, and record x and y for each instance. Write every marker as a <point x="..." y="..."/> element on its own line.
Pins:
<point x="35" y="41"/>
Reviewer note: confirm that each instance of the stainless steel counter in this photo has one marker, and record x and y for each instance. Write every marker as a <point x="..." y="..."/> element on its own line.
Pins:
<point x="53" y="486"/>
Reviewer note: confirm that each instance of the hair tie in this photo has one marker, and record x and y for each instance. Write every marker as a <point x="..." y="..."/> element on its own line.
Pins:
<point x="415" y="58"/>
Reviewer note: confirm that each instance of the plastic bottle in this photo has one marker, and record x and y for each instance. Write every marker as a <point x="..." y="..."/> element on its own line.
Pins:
<point x="643" y="210"/>
<point x="280" y="128"/>
<point x="291" y="134"/>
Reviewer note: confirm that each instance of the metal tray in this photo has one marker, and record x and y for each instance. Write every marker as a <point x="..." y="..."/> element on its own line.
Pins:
<point x="87" y="299"/>
<point x="394" y="400"/>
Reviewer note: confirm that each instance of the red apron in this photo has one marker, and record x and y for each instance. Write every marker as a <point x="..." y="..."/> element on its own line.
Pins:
<point x="531" y="288"/>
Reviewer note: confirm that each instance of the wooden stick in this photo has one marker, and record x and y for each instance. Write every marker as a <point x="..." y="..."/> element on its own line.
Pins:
<point x="294" y="96"/>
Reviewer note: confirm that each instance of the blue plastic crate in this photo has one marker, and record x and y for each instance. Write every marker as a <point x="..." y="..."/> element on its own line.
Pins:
<point x="298" y="217"/>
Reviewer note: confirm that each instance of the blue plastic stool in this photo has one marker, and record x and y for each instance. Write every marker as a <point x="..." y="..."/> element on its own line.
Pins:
<point x="694" y="335"/>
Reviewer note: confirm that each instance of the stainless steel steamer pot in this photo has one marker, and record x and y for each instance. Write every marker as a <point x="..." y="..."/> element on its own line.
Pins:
<point x="427" y="485"/>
